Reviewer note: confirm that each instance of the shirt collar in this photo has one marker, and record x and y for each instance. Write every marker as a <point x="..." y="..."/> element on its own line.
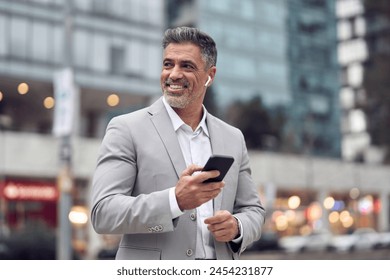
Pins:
<point x="178" y="122"/>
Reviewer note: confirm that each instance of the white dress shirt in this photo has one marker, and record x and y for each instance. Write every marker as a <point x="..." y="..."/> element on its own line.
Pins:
<point x="196" y="149"/>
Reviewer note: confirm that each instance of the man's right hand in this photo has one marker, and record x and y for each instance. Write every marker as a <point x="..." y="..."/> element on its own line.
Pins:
<point x="190" y="190"/>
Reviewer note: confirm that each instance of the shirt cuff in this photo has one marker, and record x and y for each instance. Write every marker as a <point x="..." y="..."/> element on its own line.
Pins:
<point x="240" y="236"/>
<point x="175" y="210"/>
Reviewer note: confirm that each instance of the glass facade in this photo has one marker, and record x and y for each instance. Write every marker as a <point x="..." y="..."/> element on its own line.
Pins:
<point x="280" y="57"/>
<point x="112" y="46"/>
<point x="352" y="54"/>
<point x="251" y="40"/>
<point x="376" y="76"/>
<point x="314" y="125"/>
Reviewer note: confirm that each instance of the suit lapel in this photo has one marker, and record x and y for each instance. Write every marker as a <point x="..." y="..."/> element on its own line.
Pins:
<point x="218" y="148"/>
<point x="161" y="121"/>
<point x="163" y="125"/>
<point x="216" y="139"/>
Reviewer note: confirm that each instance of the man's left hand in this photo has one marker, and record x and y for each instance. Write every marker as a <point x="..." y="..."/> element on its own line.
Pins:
<point x="223" y="226"/>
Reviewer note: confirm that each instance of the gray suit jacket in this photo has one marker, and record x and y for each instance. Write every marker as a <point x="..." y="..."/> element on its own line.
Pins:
<point x="139" y="160"/>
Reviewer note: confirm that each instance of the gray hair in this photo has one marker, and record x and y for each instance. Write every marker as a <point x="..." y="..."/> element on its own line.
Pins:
<point x="179" y="35"/>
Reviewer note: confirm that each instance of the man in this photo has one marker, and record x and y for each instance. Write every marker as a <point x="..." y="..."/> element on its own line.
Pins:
<point x="148" y="183"/>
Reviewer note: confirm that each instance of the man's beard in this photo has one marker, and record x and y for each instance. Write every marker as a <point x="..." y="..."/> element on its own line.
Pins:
<point x="177" y="101"/>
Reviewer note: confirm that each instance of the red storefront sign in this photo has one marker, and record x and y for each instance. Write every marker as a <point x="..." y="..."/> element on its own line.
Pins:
<point x="28" y="191"/>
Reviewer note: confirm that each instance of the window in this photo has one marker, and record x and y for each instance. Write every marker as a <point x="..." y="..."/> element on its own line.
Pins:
<point x="117" y="60"/>
<point x="81" y="40"/>
<point x="5" y="39"/>
<point x="40" y="41"/>
<point x="134" y="54"/>
<point x="100" y="53"/>
<point x="19" y="34"/>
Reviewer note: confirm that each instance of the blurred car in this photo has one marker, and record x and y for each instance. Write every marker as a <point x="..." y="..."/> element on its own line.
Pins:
<point x="267" y="242"/>
<point x="293" y="243"/>
<point x="35" y="241"/>
<point x="5" y="250"/>
<point x="383" y="240"/>
<point x="360" y="239"/>
<point x="316" y="241"/>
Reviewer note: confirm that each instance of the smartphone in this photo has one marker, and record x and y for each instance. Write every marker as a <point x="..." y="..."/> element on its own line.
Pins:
<point x="220" y="163"/>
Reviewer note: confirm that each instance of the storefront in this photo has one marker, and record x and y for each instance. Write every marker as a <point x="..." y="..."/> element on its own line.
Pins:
<point x="30" y="207"/>
<point x="348" y="211"/>
<point x="303" y="211"/>
<point x="28" y="201"/>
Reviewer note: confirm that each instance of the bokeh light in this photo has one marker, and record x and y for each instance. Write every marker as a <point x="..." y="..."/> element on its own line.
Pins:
<point x="48" y="102"/>
<point x="113" y="100"/>
<point x="294" y="202"/>
<point x="23" y="88"/>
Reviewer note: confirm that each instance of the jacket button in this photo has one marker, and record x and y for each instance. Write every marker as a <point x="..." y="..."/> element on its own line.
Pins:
<point x="193" y="216"/>
<point x="189" y="252"/>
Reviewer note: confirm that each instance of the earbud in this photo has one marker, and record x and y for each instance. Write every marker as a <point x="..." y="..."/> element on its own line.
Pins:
<point x="208" y="81"/>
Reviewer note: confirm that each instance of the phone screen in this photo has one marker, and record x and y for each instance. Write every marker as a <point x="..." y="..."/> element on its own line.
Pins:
<point x="220" y="163"/>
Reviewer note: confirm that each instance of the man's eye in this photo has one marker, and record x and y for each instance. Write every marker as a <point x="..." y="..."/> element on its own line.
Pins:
<point x="167" y="64"/>
<point x="188" y="66"/>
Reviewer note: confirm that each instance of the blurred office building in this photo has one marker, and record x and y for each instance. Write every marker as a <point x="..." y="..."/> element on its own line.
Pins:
<point x="280" y="56"/>
<point x="364" y="57"/>
<point x="113" y="49"/>
<point x="253" y="74"/>
<point x="277" y="80"/>
<point x="314" y="112"/>
<point x="353" y="54"/>
<point x="376" y="77"/>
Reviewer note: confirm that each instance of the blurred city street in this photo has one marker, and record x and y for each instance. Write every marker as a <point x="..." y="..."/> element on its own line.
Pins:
<point x="380" y="254"/>
<point x="306" y="81"/>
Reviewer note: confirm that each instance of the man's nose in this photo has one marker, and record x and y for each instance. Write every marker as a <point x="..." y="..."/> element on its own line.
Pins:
<point x="176" y="73"/>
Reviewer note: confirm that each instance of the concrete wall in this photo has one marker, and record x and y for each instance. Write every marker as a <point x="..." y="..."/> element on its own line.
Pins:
<point x="289" y="171"/>
<point x="34" y="155"/>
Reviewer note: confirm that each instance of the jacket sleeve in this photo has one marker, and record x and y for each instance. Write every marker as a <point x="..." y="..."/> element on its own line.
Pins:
<point x="247" y="207"/>
<point x="115" y="210"/>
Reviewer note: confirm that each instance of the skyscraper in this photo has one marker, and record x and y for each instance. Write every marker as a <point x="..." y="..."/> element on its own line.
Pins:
<point x="283" y="52"/>
<point x="314" y="72"/>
